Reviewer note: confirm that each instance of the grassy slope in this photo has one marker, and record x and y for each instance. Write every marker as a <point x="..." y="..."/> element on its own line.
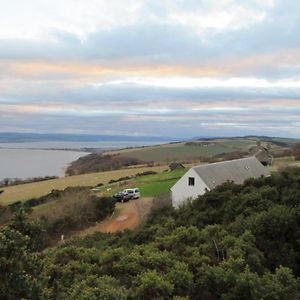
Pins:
<point x="179" y="151"/>
<point x="155" y="185"/>
<point x="282" y="162"/>
<point x="37" y="189"/>
<point x="150" y="185"/>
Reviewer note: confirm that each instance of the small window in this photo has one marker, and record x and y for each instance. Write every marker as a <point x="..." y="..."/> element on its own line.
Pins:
<point x="192" y="181"/>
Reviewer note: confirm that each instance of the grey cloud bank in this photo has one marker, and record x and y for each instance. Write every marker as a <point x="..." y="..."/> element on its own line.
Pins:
<point x="181" y="69"/>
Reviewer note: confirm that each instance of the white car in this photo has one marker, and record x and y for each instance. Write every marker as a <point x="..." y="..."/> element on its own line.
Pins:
<point x="132" y="193"/>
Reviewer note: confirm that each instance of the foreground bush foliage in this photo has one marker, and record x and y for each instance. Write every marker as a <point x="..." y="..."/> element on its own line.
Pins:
<point x="235" y="242"/>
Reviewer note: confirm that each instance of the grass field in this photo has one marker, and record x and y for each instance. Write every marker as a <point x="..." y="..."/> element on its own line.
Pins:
<point x="180" y="151"/>
<point x="155" y="185"/>
<point x="282" y="162"/>
<point x="156" y="189"/>
<point x="150" y="185"/>
<point x="37" y="189"/>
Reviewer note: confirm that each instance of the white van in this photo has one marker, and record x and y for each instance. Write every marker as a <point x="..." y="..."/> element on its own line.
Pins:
<point x="132" y="193"/>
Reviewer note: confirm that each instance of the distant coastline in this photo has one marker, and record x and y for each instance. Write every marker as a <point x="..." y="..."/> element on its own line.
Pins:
<point x="17" y="137"/>
<point x="25" y="160"/>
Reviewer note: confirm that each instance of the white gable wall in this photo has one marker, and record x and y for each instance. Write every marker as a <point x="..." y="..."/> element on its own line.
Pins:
<point x="182" y="190"/>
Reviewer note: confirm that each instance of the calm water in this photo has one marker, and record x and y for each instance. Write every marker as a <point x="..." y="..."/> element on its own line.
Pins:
<point x="74" y="145"/>
<point x="25" y="163"/>
<point x="26" y="160"/>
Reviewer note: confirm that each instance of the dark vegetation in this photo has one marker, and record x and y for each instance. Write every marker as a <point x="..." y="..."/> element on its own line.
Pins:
<point x="235" y="242"/>
<point x="296" y="151"/>
<point x="61" y="212"/>
<point x="200" y="143"/>
<point x="121" y="179"/>
<point x="145" y="173"/>
<point x="15" y="181"/>
<point x="96" y="162"/>
<point x="133" y="176"/>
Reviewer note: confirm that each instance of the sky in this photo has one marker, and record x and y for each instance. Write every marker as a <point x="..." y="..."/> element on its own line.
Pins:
<point x="178" y="68"/>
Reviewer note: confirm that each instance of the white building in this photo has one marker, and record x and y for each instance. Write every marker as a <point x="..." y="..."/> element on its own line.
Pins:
<point x="203" y="178"/>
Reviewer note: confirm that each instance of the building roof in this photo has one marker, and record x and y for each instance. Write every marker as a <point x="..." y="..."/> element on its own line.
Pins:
<point x="237" y="170"/>
<point x="262" y="154"/>
<point x="175" y="165"/>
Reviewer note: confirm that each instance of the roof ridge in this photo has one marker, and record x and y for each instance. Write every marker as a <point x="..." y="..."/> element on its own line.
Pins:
<point x="224" y="161"/>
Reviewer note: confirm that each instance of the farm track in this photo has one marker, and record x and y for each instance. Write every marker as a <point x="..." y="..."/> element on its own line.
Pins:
<point x="127" y="216"/>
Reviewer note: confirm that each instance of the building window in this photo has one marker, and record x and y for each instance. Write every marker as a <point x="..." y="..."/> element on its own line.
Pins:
<point x="192" y="181"/>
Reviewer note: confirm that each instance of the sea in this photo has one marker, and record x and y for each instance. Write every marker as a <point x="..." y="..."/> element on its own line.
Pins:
<point x="39" y="159"/>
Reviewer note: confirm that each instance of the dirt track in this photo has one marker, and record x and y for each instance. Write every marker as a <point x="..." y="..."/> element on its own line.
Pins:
<point x="127" y="216"/>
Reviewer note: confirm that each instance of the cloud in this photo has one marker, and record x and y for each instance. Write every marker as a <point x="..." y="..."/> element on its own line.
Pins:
<point x="174" y="67"/>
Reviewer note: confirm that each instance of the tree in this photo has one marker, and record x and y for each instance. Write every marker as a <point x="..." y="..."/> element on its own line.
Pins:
<point x="150" y="285"/>
<point x="94" y="288"/>
<point x="34" y="229"/>
<point x="20" y="276"/>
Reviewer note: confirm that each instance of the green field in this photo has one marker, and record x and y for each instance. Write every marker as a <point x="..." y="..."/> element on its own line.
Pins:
<point x="156" y="189"/>
<point x="149" y="185"/>
<point x="155" y="185"/>
<point x="182" y="152"/>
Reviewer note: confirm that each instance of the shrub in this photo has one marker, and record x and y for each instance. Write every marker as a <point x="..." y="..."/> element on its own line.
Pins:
<point x="73" y="208"/>
<point x="120" y="179"/>
<point x="104" y="207"/>
<point x="146" y="173"/>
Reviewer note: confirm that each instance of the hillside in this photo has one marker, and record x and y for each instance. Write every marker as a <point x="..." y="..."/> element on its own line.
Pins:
<point x="206" y="149"/>
<point x="235" y="242"/>
<point x="96" y="162"/>
<point x="195" y="151"/>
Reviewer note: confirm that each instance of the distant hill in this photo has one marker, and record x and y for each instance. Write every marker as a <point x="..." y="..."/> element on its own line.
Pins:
<point x="96" y="162"/>
<point x="208" y="149"/>
<point x="17" y="137"/>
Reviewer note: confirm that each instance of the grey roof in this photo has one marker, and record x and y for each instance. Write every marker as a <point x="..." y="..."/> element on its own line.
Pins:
<point x="237" y="170"/>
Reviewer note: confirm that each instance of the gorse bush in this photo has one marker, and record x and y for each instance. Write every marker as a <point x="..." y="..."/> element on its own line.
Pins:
<point x="234" y="242"/>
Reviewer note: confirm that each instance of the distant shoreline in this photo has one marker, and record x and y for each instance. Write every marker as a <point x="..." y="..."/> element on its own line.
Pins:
<point x="40" y="159"/>
<point x="87" y="150"/>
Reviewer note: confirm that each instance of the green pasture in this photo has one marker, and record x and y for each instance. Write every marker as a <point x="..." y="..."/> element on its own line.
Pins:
<point x="149" y="185"/>
<point x="177" y="153"/>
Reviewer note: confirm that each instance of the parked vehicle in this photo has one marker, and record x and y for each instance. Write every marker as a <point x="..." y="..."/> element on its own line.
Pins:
<point x="132" y="193"/>
<point x="127" y="195"/>
<point x="120" y="197"/>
